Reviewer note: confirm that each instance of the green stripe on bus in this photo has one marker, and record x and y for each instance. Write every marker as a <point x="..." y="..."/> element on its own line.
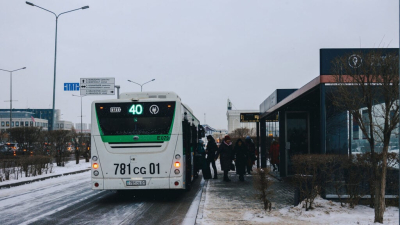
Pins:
<point x="98" y="124"/>
<point x="129" y="138"/>
<point x="173" y="120"/>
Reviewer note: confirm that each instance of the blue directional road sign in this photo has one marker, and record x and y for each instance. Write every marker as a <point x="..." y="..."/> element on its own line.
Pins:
<point x="71" y="86"/>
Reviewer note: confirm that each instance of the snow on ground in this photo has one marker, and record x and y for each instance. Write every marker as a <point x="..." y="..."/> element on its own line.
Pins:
<point x="70" y="166"/>
<point x="39" y="199"/>
<point x="190" y="217"/>
<point x="324" y="212"/>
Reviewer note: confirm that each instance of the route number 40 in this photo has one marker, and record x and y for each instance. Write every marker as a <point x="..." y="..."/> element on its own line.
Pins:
<point x="136" y="109"/>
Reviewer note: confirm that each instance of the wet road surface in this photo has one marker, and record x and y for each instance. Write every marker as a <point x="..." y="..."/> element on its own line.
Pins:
<point x="71" y="201"/>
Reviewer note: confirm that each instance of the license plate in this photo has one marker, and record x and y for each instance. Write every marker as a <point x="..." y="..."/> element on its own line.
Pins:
<point x="135" y="183"/>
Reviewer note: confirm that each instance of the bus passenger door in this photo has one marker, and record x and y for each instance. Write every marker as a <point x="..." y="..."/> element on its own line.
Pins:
<point x="186" y="134"/>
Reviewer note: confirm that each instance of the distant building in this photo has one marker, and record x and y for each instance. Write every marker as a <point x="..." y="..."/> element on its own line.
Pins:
<point x="39" y="113"/>
<point x="233" y="117"/>
<point x="211" y="131"/>
<point x="78" y="126"/>
<point x="64" y="125"/>
<point x="85" y="127"/>
<point x="42" y="118"/>
<point x="21" y="119"/>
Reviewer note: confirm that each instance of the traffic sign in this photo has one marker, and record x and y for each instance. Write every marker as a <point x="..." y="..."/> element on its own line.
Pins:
<point x="71" y="86"/>
<point x="97" y="86"/>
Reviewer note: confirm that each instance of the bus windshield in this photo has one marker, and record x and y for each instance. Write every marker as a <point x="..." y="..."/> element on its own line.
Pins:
<point x="135" y="118"/>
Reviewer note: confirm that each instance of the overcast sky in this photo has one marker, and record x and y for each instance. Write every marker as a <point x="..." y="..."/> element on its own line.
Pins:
<point x="206" y="51"/>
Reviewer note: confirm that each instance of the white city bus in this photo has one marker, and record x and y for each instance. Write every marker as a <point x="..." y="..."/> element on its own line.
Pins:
<point x="143" y="140"/>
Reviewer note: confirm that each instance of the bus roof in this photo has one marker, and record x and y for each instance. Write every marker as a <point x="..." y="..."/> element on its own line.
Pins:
<point x="150" y="95"/>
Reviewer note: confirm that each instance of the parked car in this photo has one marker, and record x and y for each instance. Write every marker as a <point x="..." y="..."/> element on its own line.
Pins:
<point x="12" y="146"/>
<point x="5" y="150"/>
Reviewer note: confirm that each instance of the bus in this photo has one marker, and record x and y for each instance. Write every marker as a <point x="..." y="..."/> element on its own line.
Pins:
<point x="143" y="140"/>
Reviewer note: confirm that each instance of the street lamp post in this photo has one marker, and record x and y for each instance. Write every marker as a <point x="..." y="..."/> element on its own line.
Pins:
<point x="398" y="155"/>
<point x="81" y="96"/>
<point x="55" y="53"/>
<point x="141" y="85"/>
<point x="11" y="71"/>
<point x="117" y="87"/>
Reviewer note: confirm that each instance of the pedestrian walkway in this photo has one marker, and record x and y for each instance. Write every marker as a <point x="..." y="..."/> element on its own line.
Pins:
<point x="235" y="203"/>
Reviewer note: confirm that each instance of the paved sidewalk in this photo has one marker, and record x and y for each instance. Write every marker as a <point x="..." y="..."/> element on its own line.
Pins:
<point x="235" y="203"/>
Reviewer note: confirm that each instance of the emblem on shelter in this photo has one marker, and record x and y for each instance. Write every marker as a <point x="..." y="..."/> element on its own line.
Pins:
<point x="355" y="61"/>
<point x="154" y="109"/>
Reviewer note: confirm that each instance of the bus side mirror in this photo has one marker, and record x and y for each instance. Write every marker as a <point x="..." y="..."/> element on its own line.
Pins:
<point x="201" y="132"/>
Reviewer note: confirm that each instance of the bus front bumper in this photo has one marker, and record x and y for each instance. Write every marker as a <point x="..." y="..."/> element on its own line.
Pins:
<point x="137" y="184"/>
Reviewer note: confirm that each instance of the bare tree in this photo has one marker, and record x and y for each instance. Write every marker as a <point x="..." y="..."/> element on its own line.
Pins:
<point x="76" y="140"/>
<point x="3" y="135"/>
<point x="26" y="136"/>
<point x="241" y="132"/>
<point x="58" y="139"/>
<point x="367" y="87"/>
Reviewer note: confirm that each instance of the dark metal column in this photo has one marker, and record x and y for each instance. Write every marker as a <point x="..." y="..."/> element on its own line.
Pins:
<point x="282" y="144"/>
<point x="263" y="134"/>
<point x="258" y="144"/>
<point x="323" y="118"/>
<point x="350" y="129"/>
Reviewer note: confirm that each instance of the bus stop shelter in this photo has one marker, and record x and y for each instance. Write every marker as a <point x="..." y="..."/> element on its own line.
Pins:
<point x="308" y="121"/>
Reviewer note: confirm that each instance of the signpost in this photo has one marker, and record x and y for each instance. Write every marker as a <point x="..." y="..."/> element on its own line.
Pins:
<point x="97" y="86"/>
<point x="71" y="86"/>
<point x="254" y="118"/>
<point x="249" y="117"/>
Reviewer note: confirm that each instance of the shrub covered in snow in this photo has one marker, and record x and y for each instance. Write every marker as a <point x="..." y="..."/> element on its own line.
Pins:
<point x="28" y="166"/>
<point x="262" y="184"/>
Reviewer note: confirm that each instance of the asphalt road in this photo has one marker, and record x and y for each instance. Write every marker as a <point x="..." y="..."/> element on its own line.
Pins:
<point x="71" y="201"/>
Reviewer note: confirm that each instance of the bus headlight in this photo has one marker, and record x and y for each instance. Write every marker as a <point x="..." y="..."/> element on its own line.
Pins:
<point x="96" y="173"/>
<point x="177" y="164"/>
<point x="94" y="158"/>
<point x="177" y="171"/>
<point x="177" y="156"/>
<point x="95" y="165"/>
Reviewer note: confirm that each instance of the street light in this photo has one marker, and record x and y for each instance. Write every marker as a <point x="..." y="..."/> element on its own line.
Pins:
<point x="117" y="87"/>
<point x="55" y="52"/>
<point x="81" y="96"/>
<point x="399" y="112"/>
<point x="141" y="85"/>
<point x="11" y="71"/>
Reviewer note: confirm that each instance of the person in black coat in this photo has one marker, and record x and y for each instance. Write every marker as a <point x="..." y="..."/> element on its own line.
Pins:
<point x="251" y="148"/>
<point x="212" y="148"/>
<point x="225" y="152"/>
<point x="241" y="158"/>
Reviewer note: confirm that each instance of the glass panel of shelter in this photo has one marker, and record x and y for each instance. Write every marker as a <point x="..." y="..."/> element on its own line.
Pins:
<point x="297" y="137"/>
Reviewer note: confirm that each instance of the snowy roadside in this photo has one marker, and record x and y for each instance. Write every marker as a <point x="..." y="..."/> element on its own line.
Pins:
<point x="69" y="167"/>
<point x="324" y="212"/>
<point x="232" y="203"/>
<point x="191" y="215"/>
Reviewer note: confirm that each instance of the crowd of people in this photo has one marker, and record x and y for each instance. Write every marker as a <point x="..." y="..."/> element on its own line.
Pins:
<point x="240" y="158"/>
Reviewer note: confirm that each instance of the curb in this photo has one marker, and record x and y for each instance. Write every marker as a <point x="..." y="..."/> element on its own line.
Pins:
<point x="40" y="179"/>
<point x="202" y="201"/>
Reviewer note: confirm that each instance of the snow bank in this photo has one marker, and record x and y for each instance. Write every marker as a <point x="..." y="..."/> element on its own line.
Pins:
<point x="70" y="166"/>
<point x="324" y="212"/>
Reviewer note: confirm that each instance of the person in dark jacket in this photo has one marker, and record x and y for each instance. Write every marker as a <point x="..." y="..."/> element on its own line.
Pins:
<point x="212" y="148"/>
<point x="274" y="154"/>
<point x="241" y="158"/>
<point x="225" y="152"/>
<point x="251" y="148"/>
<point x="201" y="163"/>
